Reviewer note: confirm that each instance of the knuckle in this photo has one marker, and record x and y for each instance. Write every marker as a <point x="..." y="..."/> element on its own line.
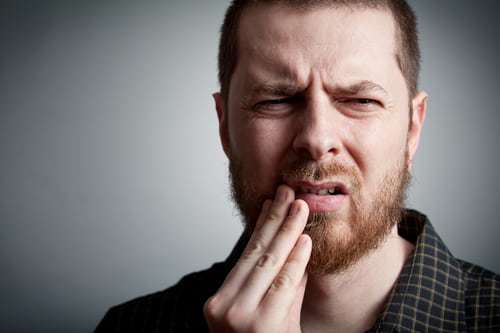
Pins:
<point x="268" y="260"/>
<point x="295" y="262"/>
<point x="282" y="281"/>
<point x="235" y="317"/>
<point x="254" y="249"/>
<point x="210" y="308"/>
<point x="288" y="227"/>
<point x="273" y="215"/>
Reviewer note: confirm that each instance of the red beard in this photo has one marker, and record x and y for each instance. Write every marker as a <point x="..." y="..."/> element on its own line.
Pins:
<point x="339" y="240"/>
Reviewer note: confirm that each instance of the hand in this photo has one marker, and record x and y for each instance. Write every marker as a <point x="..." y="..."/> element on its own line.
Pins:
<point x="265" y="289"/>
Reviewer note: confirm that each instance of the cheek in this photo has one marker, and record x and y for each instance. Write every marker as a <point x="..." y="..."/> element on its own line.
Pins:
<point x="377" y="147"/>
<point x="261" y="144"/>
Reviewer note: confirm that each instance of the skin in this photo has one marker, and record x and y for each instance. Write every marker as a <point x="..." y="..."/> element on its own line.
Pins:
<point x="319" y="53"/>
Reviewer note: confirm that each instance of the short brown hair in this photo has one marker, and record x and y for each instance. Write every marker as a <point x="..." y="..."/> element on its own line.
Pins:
<point x="408" y="52"/>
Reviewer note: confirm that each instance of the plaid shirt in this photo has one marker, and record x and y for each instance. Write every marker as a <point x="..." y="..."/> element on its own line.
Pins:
<point x="435" y="292"/>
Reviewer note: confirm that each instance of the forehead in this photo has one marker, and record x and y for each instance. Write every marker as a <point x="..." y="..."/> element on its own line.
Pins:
<point x="337" y="40"/>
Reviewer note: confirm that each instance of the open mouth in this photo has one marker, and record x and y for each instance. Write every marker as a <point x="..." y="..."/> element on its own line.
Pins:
<point x="321" y="197"/>
<point x="335" y="188"/>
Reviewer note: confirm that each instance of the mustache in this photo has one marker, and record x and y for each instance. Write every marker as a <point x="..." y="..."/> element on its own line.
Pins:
<point x="306" y="170"/>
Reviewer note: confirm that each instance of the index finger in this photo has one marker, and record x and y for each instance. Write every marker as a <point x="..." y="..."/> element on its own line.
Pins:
<point x="272" y="216"/>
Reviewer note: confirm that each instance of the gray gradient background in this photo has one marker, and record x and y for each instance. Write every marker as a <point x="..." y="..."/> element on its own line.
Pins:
<point x="112" y="180"/>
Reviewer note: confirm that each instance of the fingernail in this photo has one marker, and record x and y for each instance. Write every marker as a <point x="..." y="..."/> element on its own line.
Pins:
<point x="294" y="209"/>
<point x="281" y="195"/>
<point x="303" y="241"/>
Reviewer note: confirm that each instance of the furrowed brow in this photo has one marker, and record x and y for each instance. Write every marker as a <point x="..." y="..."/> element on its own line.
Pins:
<point x="279" y="89"/>
<point x="360" y="87"/>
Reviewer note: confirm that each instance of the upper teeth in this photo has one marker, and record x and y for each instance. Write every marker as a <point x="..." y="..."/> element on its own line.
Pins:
<point x="318" y="192"/>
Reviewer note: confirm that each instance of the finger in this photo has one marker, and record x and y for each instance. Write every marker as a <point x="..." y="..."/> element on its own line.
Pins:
<point x="287" y="289"/>
<point x="268" y="224"/>
<point x="218" y="303"/>
<point x="296" y="308"/>
<point x="272" y="261"/>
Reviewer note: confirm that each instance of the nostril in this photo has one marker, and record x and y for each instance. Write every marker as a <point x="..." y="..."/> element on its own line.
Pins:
<point x="316" y="144"/>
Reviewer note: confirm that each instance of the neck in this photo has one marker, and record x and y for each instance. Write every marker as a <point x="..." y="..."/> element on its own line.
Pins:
<point x="351" y="301"/>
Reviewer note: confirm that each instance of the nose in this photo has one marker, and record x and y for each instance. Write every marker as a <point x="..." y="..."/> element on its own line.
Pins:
<point x="318" y="135"/>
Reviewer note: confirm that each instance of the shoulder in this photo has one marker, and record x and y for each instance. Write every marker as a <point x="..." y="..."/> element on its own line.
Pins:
<point x="482" y="296"/>
<point x="179" y="307"/>
<point x="480" y="282"/>
<point x="478" y="276"/>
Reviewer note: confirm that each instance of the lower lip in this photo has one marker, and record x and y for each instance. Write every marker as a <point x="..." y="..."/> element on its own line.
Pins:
<point x="323" y="203"/>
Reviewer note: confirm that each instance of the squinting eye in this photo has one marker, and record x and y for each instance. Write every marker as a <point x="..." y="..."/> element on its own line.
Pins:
<point x="273" y="104"/>
<point x="359" y="102"/>
<point x="364" y="101"/>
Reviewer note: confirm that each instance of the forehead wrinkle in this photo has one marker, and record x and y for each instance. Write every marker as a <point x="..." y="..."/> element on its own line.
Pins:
<point x="277" y="54"/>
<point x="271" y="63"/>
<point x="267" y="46"/>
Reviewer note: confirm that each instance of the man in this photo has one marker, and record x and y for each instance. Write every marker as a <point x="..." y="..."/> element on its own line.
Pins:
<point x="320" y="118"/>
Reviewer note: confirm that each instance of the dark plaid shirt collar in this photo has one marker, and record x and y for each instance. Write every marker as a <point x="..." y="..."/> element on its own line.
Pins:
<point x="429" y="294"/>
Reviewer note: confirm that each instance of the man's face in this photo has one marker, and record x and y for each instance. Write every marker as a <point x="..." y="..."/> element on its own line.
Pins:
<point x="317" y="101"/>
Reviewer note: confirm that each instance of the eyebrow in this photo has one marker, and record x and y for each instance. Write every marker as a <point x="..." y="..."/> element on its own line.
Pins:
<point x="278" y="89"/>
<point x="291" y="89"/>
<point x="358" y="87"/>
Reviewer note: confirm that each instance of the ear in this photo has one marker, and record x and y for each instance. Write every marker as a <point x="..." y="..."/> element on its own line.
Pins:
<point x="220" y="106"/>
<point x="419" y="106"/>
